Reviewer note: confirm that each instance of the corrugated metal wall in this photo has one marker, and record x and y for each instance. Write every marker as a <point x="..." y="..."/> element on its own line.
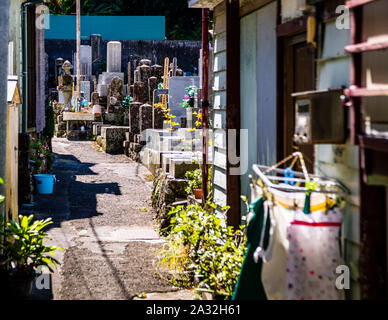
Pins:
<point x="340" y="161"/>
<point x="258" y="89"/>
<point x="219" y="103"/>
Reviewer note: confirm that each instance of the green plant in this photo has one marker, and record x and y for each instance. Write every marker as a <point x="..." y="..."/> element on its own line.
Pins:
<point x="23" y="247"/>
<point x="194" y="180"/>
<point x="50" y="121"/>
<point x="202" y="250"/>
<point x="189" y="99"/>
<point x="41" y="155"/>
<point x="127" y="101"/>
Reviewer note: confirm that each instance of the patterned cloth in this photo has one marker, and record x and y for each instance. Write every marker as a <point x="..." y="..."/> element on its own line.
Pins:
<point x="313" y="255"/>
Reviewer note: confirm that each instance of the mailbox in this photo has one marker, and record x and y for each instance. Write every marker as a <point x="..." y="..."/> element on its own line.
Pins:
<point x="319" y="117"/>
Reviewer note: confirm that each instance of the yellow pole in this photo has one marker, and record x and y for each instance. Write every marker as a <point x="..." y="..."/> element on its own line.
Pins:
<point x="165" y="81"/>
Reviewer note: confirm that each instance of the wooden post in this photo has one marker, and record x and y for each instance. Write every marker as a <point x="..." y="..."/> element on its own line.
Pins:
<point x="165" y="81"/>
<point x="78" y="8"/>
<point x="205" y="101"/>
<point x="233" y="115"/>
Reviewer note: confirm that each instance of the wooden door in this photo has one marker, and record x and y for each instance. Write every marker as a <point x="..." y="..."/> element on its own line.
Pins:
<point x="298" y="75"/>
<point x="11" y="203"/>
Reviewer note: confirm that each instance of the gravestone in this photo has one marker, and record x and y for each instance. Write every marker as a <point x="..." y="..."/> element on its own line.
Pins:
<point x="107" y="77"/>
<point x="102" y="90"/>
<point x="134" y="111"/>
<point x="86" y="61"/>
<point x="152" y="85"/>
<point x="146" y="62"/>
<point x="157" y="71"/>
<point x="129" y="73"/>
<point x="145" y="117"/>
<point x="136" y="77"/>
<point x="157" y="118"/>
<point x="139" y="91"/>
<point x="95" y="98"/>
<point x="176" y="94"/>
<point x="114" y="56"/>
<point x="115" y="95"/>
<point x="95" y="43"/>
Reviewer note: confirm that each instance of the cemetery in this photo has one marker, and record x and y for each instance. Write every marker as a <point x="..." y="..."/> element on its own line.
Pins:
<point x="148" y="112"/>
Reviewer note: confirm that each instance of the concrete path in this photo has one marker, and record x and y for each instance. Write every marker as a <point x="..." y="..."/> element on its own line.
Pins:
<point x="104" y="220"/>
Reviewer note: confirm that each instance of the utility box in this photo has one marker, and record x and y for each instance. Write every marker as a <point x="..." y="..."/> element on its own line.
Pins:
<point x="319" y="117"/>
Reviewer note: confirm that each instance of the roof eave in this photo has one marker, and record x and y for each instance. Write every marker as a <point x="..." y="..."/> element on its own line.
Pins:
<point x="210" y="4"/>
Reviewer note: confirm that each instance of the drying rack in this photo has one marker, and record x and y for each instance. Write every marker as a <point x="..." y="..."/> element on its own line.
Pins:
<point x="304" y="182"/>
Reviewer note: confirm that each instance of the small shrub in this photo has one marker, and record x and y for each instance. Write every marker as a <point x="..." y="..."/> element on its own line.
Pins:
<point x="202" y="251"/>
<point x="41" y="155"/>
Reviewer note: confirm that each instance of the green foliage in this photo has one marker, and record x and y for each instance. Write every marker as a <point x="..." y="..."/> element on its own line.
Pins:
<point x="189" y="99"/>
<point x="127" y="101"/>
<point x="194" y="179"/>
<point x="202" y="251"/>
<point x="23" y="247"/>
<point x="182" y="23"/>
<point x="41" y="155"/>
<point x="50" y="121"/>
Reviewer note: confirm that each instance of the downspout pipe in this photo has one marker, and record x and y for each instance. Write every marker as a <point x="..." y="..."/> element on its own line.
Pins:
<point x="205" y="102"/>
<point x="4" y="38"/>
<point x="23" y="12"/>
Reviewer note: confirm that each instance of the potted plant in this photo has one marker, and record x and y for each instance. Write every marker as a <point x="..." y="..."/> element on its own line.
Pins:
<point x="194" y="180"/>
<point x="41" y="156"/>
<point x="42" y="159"/>
<point x="23" y="250"/>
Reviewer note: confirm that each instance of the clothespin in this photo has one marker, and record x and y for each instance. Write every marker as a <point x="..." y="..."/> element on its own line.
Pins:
<point x="309" y="186"/>
<point x="289" y="173"/>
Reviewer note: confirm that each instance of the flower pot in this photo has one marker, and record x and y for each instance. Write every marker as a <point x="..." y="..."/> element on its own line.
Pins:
<point x="19" y="287"/>
<point x="45" y="183"/>
<point x="197" y="193"/>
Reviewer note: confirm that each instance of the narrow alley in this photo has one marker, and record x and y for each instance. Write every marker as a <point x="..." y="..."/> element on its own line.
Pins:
<point x="105" y="223"/>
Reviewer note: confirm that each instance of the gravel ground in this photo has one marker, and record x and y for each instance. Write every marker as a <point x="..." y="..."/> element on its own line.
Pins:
<point x="103" y="218"/>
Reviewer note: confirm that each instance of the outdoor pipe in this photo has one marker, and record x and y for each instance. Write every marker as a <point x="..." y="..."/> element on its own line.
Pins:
<point x="205" y="101"/>
<point x="4" y="27"/>
<point x="23" y="8"/>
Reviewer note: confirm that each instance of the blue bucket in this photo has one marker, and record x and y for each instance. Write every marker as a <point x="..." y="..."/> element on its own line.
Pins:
<point x="45" y="183"/>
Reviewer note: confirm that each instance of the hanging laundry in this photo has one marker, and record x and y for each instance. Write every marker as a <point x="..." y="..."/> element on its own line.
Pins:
<point x="274" y="267"/>
<point x="249" y="286"/>
<point x="314" y="253"/>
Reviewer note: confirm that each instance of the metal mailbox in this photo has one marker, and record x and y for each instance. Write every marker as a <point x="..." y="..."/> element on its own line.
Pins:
<point x="319" y="117"/>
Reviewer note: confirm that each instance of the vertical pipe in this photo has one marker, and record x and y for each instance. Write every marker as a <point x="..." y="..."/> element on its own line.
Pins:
<point x="4" y="27"/>
<point x="23" y="13"/>
<point x="78" y="9"/>
<point x="233" y="108"/>
<point x="205" y="100"/>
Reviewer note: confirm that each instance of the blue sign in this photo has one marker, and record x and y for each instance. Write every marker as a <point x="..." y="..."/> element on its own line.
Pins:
<point x="109" y="27"/>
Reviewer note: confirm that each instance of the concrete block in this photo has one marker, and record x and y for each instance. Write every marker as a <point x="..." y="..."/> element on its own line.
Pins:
<point x="179" y="167"/>
<point x="114" y="138"/>
<point x="97" y="128"/>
